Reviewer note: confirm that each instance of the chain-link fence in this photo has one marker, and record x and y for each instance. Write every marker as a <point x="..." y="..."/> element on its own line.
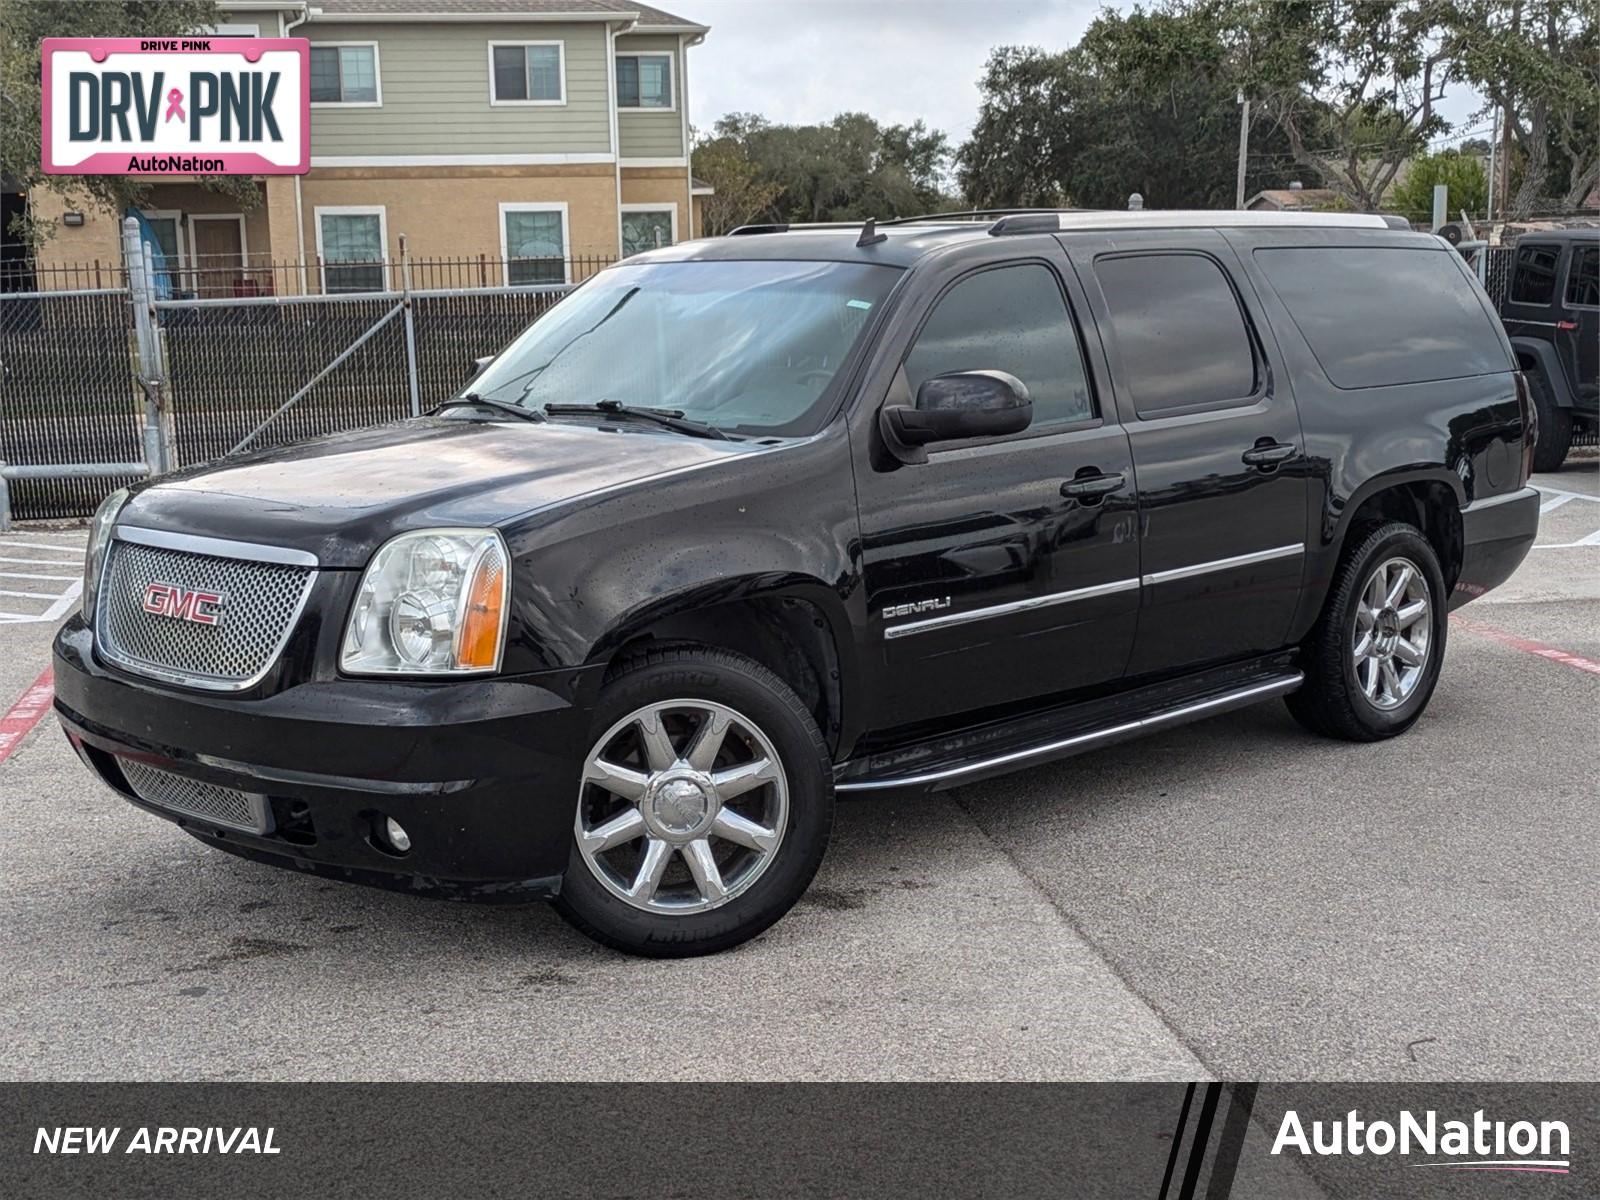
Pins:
<point x="287" y="368"/>
<point x="165" y="376"/>
<point x="67" y="393"/>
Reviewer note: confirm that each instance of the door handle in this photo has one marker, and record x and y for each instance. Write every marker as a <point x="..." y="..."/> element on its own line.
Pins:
<point x="1267" y="454"/>
<point x="1090" y="488"/>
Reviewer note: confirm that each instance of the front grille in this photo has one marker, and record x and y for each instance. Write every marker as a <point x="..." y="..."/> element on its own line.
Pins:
<point x="218" y="805"/>
<point x="260" y="601"/>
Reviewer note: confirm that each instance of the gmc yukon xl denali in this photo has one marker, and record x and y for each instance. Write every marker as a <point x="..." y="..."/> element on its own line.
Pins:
<point x="748" y="523"/>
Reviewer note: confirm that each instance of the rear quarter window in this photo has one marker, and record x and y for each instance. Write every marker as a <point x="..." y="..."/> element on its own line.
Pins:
<point x="1376" y="316"/>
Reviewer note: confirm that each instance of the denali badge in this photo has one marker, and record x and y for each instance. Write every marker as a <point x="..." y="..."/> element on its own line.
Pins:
<point x="186" y="604"/>
<point x="916" y="606"/>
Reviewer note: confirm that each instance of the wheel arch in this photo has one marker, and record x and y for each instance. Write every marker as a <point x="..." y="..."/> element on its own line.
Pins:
<point x="794" y="626"/>
<point x="1535" y="354"/>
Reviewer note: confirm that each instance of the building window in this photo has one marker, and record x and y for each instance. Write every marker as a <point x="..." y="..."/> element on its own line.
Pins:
<point x="167" y="227"/>
<point x="345" y="74"/>
<point x="644" y="81"/>
<point x="647" y="228"/>
<point x="351" y="242"/>
<point x="527" y="73"/>
<point x="533" y="242"/>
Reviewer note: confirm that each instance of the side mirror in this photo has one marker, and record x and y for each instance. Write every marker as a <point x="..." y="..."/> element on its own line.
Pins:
<point x="967" y="404"/>
<point x="479" y="366"/>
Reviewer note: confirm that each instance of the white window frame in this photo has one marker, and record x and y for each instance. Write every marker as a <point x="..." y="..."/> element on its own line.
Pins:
<point x="556" y="206"/>
<point x="175" y="215"/>
<point x="666" y="206"/>
<point x="377" y="76"/>
<point x="561" y="65"/>
<point x="197" y="268"/>
<point x="672" y="82"/>
<point x="351" y="210"/>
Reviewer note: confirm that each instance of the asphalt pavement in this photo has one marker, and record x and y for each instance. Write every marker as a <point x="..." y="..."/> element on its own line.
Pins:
<point x="1234" y="899"/>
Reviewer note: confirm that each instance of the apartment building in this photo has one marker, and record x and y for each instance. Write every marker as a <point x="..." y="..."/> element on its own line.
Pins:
<point x="511" y="137"/>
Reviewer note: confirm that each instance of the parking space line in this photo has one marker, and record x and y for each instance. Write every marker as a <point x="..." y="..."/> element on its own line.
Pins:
<point x="1555" y="503"/>
<point x="29" y="595"/>
<point x="41" y="562"/>
<point x="29" y="544"/>
<point x="27" y="712"/>
<point x="1528" y="645"/>
<point x="25" y="575"/>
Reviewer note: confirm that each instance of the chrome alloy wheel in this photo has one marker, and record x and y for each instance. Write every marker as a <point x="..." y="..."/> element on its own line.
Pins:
<point x="682" y="807"/>
<point x="1393" y="633"/>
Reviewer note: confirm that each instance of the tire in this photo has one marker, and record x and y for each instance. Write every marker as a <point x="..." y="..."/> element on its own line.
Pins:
<point x="1365" y="703"/>
<point x="661" y="865"/>
<point x="1555" y="426"/>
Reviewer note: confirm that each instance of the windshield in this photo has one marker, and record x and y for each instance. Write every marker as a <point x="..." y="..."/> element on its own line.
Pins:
<point x="748" y="347"/>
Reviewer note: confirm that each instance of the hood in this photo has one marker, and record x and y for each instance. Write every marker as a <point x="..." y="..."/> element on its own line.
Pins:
<point x="341" y="497"/>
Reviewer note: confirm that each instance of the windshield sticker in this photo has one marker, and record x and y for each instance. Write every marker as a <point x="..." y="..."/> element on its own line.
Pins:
<point x="863" y="305"/>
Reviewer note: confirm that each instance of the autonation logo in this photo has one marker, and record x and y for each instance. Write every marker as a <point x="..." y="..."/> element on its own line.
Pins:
<point x="1476" y="1145"/>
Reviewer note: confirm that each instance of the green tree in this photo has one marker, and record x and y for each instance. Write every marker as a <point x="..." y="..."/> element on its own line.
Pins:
<point x="23" y="25"/>
<point x="1146" y="102"/>
<point x="847" y="169"/>
<point x="1463" y="174"/>
<point x="741" y="195"/>
<point x="1354" y="84"/>
<point x="1539" y="60"/>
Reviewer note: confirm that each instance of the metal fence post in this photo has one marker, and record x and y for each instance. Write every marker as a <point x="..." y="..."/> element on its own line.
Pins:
<point x="411" y="329"/>
<point x="5" y="500"/>
<point x="147" y="346"/>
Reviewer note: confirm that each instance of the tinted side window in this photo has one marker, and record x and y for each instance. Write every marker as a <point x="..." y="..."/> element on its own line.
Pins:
<point x="1534" y="280"/>
<point x="1583" y="277"/>
<point x="1375" y="315"/>
<point x="1011" y="319"/>
<point x="1180" y="336"/>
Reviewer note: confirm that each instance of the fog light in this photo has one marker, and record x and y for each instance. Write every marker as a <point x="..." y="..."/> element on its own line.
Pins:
<point x="398" y="837"/>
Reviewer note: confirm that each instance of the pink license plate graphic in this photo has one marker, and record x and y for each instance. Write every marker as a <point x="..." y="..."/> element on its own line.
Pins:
<point x="176" y="106"/>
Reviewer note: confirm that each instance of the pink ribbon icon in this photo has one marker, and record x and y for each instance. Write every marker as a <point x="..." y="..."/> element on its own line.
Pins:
<point x="175" y="105"/>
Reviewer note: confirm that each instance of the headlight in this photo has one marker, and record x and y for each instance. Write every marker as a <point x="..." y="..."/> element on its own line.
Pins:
<point x="105" y="518"/>
<point x="431" y="603"/>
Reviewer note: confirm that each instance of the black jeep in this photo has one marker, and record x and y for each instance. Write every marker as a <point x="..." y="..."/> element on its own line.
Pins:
<point x="1551" y="310"/>
<point x="750" y="522"/>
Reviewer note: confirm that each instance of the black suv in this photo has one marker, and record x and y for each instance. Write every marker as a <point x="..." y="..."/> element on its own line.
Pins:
<point x="1551" y="311"/>
<point x="746" y="523"/>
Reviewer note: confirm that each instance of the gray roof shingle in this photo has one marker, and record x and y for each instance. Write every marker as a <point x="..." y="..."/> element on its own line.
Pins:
<point x="648" y="15"/>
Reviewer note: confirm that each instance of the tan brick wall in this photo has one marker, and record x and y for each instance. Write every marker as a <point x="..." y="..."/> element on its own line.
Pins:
<point x="659" y="185"/>
<point x="445" y="212"/>
<point x="98" y="238"/>
<point x="455" y="212"/>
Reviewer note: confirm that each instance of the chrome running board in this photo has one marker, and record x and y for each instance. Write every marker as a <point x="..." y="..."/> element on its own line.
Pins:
<point x="1180" y="714"/>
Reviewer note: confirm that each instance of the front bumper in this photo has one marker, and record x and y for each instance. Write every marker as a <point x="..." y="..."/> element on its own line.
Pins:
<point x="1496" y="535"/>
<point x="481" y="773"/>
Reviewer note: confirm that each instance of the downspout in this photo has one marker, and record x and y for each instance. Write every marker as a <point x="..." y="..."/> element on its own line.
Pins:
<point x="299" y="202"/>
<point x="684" y="42"/>
<point x="611" y="105"/>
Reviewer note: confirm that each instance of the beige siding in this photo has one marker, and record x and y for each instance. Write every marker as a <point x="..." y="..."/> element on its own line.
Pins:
<point x="653" y="134"/>
<point x="434" y="80"/>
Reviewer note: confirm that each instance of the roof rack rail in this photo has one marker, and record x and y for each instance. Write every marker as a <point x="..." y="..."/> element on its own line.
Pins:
<point x="977" y="214"/>
<point x="786" y="226"/>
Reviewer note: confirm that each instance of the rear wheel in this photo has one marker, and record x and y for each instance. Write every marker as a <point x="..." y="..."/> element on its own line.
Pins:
<point x="1373" y="660"/>
<point x="704" y="807"/>
<point x="1555" y="426"/>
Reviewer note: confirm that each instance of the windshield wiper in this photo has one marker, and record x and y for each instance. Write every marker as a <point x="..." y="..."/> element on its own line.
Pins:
<point x="473" y="400"/>
<point x="667" y="418"/>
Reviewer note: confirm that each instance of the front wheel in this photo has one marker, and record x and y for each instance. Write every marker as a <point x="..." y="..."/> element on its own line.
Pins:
<point x="1373" y="660"/>
<point x="704" y="807"/>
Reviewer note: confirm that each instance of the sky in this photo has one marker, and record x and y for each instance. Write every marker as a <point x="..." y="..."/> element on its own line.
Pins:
<point x="803" y="61"/>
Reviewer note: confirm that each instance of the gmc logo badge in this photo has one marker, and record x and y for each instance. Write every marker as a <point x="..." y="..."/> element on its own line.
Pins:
<point x="184" y="604"/>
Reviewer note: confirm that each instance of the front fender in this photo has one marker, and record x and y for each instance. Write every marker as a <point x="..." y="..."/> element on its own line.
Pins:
<point x="1544" y="354"/>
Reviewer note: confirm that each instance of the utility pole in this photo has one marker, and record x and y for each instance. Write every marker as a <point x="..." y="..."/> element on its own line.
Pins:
<point x="1244" y="149"/>
<point x="1494" y="149"/>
